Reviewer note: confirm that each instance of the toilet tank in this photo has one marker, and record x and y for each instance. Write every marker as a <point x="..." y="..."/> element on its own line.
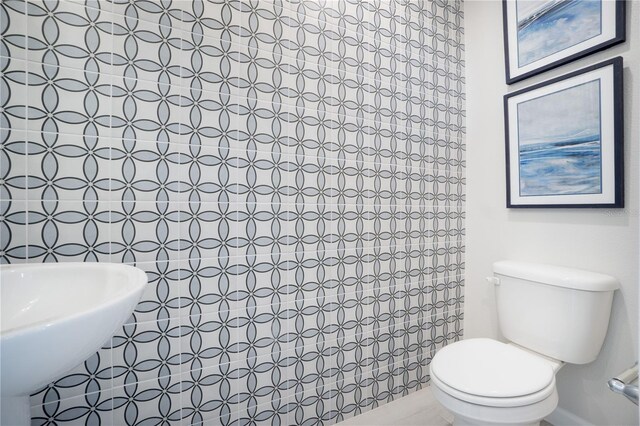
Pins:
<point x="559" y="312"/>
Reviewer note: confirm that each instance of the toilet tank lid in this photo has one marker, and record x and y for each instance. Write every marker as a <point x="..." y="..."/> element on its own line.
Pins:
<point x="556" y="275"/>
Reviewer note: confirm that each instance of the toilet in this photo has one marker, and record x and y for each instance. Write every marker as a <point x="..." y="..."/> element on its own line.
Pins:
<point x="550" y="316"/>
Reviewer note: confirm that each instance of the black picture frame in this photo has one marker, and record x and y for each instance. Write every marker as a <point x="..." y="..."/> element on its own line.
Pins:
<point x="511" y="43"/>
<point x="610" y="104"/>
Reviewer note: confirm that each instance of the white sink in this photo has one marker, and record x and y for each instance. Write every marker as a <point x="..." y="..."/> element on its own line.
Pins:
<point x="52" y="318"/>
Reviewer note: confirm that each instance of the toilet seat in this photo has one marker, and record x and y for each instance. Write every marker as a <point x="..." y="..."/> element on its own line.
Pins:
<point x="493" y="374"/>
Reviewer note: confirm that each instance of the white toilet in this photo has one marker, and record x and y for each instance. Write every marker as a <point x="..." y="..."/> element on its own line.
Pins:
<point x="551" y="316"/>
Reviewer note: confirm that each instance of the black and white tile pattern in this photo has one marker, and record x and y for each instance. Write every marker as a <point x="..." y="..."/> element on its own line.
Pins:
<point x="290" y="175"/>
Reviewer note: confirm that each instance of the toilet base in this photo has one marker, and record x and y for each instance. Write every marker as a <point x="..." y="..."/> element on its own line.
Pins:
<point x="468" y="414"/>
<point x="459" y="420"/>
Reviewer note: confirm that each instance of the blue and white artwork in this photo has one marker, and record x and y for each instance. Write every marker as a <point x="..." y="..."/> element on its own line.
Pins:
<point x="548" y="26"/>
<point x="559" y="142"/>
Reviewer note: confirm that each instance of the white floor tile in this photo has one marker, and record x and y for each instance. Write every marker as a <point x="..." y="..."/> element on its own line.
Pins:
<point x="417" y="409"/>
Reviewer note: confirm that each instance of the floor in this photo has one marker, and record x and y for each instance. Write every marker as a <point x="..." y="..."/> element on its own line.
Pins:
<point x="417" y="409"/>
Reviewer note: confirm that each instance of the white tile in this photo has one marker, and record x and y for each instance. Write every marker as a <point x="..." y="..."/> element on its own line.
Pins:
<point x="417" y="408"/>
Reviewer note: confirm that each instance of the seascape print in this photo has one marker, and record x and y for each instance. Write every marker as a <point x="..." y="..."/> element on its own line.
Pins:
<point x="549" y="26"/>
<point x="559" y="142"/>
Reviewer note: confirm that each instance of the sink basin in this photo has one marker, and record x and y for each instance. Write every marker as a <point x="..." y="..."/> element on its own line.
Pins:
<point x="52" y="318"/>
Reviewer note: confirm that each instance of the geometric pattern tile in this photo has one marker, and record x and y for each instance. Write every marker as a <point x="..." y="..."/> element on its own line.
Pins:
<point x="289" y="174"/>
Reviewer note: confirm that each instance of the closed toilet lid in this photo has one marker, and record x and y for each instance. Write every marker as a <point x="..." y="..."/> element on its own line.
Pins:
<point x="488" y="368"/>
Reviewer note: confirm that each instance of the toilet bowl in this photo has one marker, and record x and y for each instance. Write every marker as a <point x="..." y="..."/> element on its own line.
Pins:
<point x="486" y="382"/>
<point x="550" y="315"/>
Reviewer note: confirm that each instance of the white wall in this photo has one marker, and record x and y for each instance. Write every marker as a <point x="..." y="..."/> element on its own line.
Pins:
<point x="600" y="240"/>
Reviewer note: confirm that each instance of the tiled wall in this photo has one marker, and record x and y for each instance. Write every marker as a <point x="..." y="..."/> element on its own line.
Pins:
<point x="289" y="174"/>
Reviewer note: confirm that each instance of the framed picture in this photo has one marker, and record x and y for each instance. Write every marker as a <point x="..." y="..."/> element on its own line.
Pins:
<point x="542" y="34"/>
<point x="564" y="140"/>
